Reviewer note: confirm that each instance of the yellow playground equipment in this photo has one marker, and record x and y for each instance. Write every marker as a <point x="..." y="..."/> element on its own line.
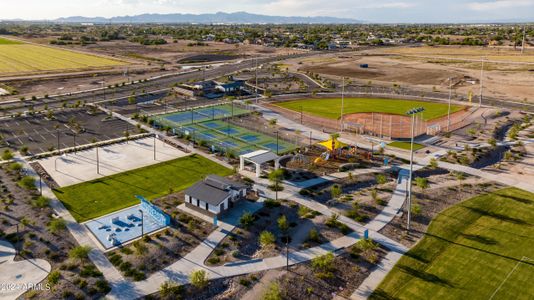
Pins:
<point x="332" y="145"/>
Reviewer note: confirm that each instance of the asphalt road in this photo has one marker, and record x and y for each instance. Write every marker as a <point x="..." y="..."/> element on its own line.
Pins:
<point x="123" y="92"/>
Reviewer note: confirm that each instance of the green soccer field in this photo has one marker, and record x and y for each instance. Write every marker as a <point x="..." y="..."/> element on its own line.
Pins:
<point x="101" y="196"/>
<point x="331" y="107"/>
<point x="477" y="249"/>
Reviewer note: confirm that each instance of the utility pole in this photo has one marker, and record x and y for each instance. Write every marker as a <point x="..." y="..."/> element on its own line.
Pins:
<point x="342" y="100"/>
<point x="524" y="39"/>
<point x="449" y="109"/>
<point x="481" y="84"/>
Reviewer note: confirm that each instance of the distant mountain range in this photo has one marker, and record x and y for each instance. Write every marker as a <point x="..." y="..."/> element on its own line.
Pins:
<point x="216" y="18"/>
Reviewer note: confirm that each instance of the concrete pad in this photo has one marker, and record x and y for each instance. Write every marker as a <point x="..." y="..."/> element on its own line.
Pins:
<point x="17" y="277"/>
<point x="74" y="168"/>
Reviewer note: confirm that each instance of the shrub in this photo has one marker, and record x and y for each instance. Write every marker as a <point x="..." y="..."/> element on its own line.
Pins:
<point x="41" y="202"/>
<point x="140" y="247"/>
<point x="381" y="178"/>
<point x="214" y="260"/>
<point x="80" y="253"/>
<point x="53" y="277"/>
<point x="57" y="225"/>
<point x="267" y="238"/>
<point x="313" y="235"/>
<point x="27" y="182"/>
<point x="170" y="290"/>
<point x="15" y="167"/>
<point x="7" y="155"/>
<point x="273" y="292"/>
<point x="282" y="223"/>
<point x="247" y="219"/>
<point x="199" y="279"/>
<point x="323" y="263"/>
<point x="270" y="203"/>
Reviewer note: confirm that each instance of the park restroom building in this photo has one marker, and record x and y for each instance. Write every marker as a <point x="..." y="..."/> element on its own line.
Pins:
<point x="214" y="195"/>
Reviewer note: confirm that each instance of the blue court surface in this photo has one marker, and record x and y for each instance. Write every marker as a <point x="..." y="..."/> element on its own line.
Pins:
<point x="272" y="147"/>
<point x="228" y="130"/>
<point x="118" y="228"/>
<point x="211" y="125"/>
<point x="249" y="137"/>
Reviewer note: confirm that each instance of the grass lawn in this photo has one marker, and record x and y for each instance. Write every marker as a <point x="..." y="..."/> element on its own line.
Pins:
<point x="468" y="252"/>
<point x="331" y="107"/>
<point x="19" y="57"/>
<point x="105" y="195"/>
<point x="4" y="41"/>
<point x="406" y="145"/>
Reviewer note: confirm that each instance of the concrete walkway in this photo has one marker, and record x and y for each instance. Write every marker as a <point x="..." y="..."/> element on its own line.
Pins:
<point x="80" y="233"/>
<point x="17" y="277"/>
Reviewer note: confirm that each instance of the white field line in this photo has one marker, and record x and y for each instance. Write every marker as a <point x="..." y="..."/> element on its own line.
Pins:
<point x="509" y="274"/>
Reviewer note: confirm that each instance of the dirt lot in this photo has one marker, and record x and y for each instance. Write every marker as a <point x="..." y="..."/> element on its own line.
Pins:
<point x="243" y="242"/>
<point x="429" y="71"/>
<point x="35" y="240"/>
<point x="347" y="273"/>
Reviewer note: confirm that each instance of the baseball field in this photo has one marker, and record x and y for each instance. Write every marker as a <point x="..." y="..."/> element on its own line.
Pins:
<point x="18" y="57"/>
<point x="331" y="107"/>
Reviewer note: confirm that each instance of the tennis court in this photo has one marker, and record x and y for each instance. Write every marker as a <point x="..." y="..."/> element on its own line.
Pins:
<point x="223" y="136"/>
<point x="199" y="115"/>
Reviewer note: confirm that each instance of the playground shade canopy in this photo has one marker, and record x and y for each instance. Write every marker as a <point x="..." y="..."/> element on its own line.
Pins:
<point x="328" y="144"/>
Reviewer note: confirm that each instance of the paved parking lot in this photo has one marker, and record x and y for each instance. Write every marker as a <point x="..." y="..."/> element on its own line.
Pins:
<point x="41" y="135"/>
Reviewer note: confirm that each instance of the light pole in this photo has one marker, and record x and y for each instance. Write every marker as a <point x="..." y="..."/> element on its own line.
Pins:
<point x="58" y="146"/>
<point x="449" y="109"/>
<point x="481" y="86"/>
<point x="154" y="146"/>
<point x="97" y="161"/>
<point x="74" y="137"/>
<point x="342" y="101"/>
<point x="277" y="142"/>
<point x="142" y="223"/>
<point x="411" y="113"/>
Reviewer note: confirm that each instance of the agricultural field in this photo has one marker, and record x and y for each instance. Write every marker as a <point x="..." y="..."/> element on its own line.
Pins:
<point x="331" y="107"/>
<point x="477" y="249"/>
<point x="18" y="57"/>
<point x="101" y="196"/>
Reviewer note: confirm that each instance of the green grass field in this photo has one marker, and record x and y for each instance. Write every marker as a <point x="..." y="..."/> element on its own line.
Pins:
<point x="98" y="197"/>
<point x="468" y="252"/>
<point x="331" y="107"/>
<point x="9" y="42"/>
<point x="406" y="145"/>
<point x="17" y="57"/>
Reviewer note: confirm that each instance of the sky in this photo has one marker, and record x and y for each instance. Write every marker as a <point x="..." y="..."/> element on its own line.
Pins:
<point x="380" y="11"/>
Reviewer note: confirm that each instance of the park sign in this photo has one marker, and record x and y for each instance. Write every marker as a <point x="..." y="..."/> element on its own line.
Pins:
<point x="155" y="212"/>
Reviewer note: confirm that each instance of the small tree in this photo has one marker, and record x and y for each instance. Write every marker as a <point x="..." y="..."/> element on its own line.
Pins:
<point x="199" y="279"/>
<point x="276" y="177"/>
<point x="492" y="142"/>
<point x="7" y="155"/>
<point x="267" y="238"/>
<point x="80" y="253"/>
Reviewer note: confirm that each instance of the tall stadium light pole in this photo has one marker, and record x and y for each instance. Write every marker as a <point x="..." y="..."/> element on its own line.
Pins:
<point x="411" y="113"/>
<point x="142" y="223"/>
<point x="481" y="83"/>
<point x="256" y="86"/>
<point x="342" y="100"/>
<point x="449" y="109"/>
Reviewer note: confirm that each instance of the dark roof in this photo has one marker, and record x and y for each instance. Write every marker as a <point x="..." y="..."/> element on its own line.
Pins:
<point x="233" y="85"/>
<point x="207" y="193"/>
<point x="226" y="181"/>
<point x="213" y="190"/>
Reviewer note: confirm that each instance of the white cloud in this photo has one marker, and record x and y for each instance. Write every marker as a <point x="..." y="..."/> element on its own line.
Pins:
<point x="499" y="4"/>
